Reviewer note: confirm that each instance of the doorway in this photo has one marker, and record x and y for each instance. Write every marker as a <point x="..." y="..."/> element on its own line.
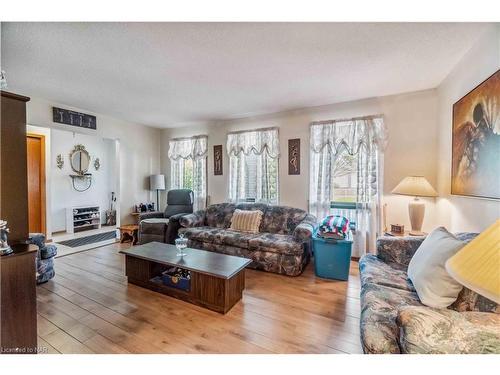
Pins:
<point x="36" y="183"/>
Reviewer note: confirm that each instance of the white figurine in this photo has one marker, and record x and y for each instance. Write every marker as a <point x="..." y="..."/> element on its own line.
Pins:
<point x="3" y="80"/>
<point x="4" y="246"/>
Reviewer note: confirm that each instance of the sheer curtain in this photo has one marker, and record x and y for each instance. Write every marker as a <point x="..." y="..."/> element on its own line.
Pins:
<point x="365" y="139"/>
<point x="188" y="167"/>
<point x="253" y="165"/>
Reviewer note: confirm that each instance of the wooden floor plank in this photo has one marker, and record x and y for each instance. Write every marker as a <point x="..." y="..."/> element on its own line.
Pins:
<point x="89" y="307"/>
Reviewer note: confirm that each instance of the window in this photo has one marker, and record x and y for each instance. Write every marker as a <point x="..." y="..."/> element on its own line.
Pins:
<point x="344" y="179"/>
<point x="188" y="167"/>
<point x="253" y="166"/>
<point x="345" y="176"/>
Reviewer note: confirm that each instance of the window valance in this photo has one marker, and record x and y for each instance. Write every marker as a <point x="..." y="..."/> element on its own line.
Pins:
<point x="188" y="148"/>
<point x="350" y="134"/>
<point x="256" y="141"/>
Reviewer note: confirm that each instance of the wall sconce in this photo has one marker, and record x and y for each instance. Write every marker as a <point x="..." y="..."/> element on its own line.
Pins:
<point x="60" y="161"/>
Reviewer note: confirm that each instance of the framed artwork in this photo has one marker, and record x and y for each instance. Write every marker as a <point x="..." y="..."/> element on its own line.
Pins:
<point x="218" y="160"/>
<point x="475" y="168"/>
<point x="294" y="156"/>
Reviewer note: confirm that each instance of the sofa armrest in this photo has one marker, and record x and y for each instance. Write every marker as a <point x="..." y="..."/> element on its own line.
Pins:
<point x="304" y="231"/>
<point x="425" y="330"/>
<point x="173" y="227"/>
<point x="397" y="251"/>
<point x="151" y="215"/>
<point x="196" y="219"/>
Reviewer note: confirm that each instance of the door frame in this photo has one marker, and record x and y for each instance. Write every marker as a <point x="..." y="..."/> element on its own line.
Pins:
<point x="43" y="208"/>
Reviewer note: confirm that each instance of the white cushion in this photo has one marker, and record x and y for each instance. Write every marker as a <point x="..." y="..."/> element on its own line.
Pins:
<point x="434" y="286"/>
<point x="155" y="221"/>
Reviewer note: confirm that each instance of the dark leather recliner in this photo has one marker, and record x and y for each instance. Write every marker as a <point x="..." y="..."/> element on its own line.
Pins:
<point x="163" y="226"/>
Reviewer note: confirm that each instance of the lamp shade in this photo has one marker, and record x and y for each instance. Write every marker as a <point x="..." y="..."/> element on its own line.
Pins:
<point x="157" y="182"/>
<point x="477" y="264"/>
<point x="417" y="186"/>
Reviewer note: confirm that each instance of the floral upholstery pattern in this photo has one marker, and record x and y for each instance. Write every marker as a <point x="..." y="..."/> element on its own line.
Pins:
<point x="305" y="229"/>
<point x="393" y="320"/>
<point x="379" y="309"/>
<point x="270" y="260"/>
<point x="196" y="219"/>
<point x="469" y="300"/>
<point x="397" y="251"/>
<point x="444" y="331"/>
<point x="282" y="244"/>
<point x="375" y="271"/>
<point x="281" y="219"/>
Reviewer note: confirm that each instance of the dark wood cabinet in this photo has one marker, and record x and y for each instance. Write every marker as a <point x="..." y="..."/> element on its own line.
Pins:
<point x="18" y="301"/>
<point x="13" y="165"/>
<point x="18" y="315"/>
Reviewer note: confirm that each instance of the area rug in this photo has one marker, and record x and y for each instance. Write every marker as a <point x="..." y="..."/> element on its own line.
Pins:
<point x="82" y="241"/>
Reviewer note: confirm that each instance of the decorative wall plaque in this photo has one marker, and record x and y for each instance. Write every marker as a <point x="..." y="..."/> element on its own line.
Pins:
<point x="218" y="160"/>
<point x="67" y="117"/>
<point x="294" y="156"/>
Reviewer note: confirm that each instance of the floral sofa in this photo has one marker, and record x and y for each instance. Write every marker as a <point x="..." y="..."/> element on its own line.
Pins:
<point x="393" y="320"/>
<point x="283" y="244"/>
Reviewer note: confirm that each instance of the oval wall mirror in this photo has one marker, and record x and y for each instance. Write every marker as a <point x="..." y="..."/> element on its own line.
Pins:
<point x="79" y="160"/>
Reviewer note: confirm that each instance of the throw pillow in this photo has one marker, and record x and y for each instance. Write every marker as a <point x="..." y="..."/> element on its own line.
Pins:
<point x="246" y="221"/>
<point x="434" y="286"/>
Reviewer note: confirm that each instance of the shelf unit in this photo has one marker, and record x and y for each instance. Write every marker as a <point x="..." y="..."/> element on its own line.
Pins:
<point x="82" y="218"/>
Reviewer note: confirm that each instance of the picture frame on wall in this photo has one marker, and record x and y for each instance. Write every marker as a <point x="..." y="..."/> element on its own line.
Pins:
<point x="475" y="165"/>
<point x="294" y="156"/>
<point x="218" y="167"/>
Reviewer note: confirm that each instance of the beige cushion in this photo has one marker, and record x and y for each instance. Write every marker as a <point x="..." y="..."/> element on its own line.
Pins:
<point x="246" y="221"/>
<point x="434" y="286"/>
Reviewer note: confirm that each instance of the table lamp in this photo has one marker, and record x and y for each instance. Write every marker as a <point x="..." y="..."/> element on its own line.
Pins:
<point x="157" y="182"/>
<point x="416" y="186"/>
<point x="476" y="265"/>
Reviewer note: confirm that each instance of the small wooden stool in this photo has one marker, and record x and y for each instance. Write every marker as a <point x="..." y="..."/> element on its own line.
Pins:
<point x="129" y="233"/>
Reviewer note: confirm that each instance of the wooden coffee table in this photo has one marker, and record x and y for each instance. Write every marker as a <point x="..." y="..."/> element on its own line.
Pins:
<point x="217" y="280"/>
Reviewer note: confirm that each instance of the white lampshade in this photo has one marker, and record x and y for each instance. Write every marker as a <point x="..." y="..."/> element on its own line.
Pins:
<point x="417" y="186"/>
<point x="157" y="182"/>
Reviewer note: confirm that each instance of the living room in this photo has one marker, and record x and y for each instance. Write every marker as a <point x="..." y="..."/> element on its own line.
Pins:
<point x="250" y="188"/>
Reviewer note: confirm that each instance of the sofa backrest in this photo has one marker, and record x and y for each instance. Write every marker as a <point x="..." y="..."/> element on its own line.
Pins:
<point x="282" y="219"/>
<point x="219" y="215"/>
<point x="276" y="219"/>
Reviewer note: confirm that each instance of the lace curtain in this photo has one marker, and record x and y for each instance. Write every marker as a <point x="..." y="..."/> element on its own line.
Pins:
<point x="253" y="165"/>
<point x="364" y="139"/>
<point x="188" y="167"/>
<point x="255" y="141"/>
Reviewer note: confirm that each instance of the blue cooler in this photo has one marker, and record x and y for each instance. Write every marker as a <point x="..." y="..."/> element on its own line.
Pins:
<point x="332" y="258"/>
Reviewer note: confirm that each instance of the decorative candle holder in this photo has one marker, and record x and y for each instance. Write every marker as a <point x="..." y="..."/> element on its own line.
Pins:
<point x="181" y="244"/>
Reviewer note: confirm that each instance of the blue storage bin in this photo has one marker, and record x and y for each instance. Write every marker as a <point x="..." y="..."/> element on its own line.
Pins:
<point x="332" y="258"/>
<point x="170" y="280"/>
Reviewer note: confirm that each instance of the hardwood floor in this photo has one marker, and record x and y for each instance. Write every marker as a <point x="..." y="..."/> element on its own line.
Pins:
<point x="89" y="308"/>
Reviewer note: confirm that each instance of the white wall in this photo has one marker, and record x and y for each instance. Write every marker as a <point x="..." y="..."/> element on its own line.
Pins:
<point x="411" y="120"/>
<point x="139" y="151"/>
<point x="455" y="212"/>
<point x="63" y="195"/>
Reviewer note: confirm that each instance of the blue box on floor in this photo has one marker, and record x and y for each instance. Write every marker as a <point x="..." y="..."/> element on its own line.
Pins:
<point x="332" y="258"/>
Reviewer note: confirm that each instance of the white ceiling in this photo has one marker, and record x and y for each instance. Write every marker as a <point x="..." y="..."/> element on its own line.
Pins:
<point x="167" y="74"/>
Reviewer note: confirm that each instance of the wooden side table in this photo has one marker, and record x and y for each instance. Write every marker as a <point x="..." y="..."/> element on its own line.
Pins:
<point x="129" y="232"/>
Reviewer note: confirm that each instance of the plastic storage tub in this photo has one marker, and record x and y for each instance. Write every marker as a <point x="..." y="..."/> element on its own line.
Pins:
<point x="332" y="258"/>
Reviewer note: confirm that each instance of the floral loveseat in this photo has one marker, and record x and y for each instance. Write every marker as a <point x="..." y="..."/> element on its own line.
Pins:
<point x="283" y="244"/>
<point x="393" y="320"/>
